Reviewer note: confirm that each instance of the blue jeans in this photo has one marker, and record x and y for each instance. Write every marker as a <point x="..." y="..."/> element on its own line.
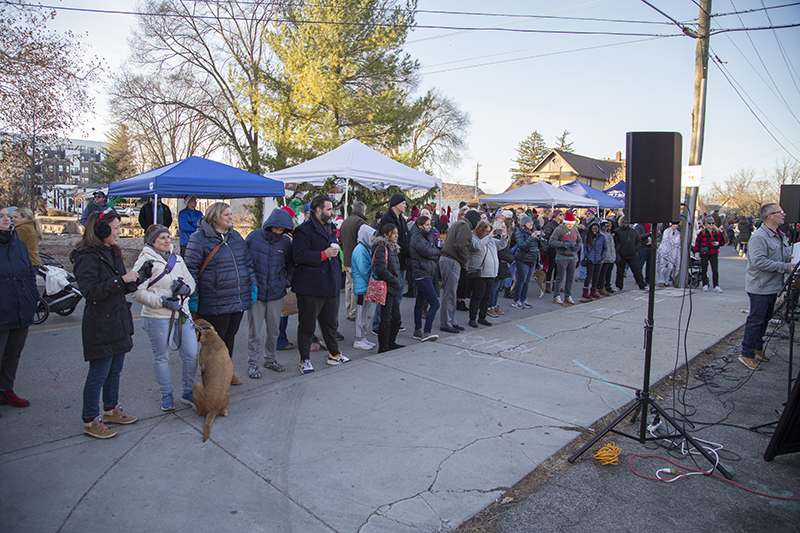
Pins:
<point x="103" y="373"/>
<point x="498" y="284"/>
<point x="376" y="321"/>
<point x="524" y="275"/>
<point x="425" y="293"/>
<point x="157" y="329"/>
<point x="761" y="309"/>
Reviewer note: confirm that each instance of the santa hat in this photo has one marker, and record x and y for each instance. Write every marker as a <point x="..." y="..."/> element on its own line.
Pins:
<point x="569" y="218"/>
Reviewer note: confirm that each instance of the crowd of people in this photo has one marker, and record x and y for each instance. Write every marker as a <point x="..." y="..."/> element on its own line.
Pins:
<point x="299" y="262"/>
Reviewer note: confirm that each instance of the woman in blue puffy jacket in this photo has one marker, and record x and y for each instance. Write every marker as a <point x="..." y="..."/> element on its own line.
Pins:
<point x="361" y="263"/>
<point x="19" y="296"/>
<point x="227" y="286"/>
<point x="594" y="250"/>
<point x="271" y="250"/>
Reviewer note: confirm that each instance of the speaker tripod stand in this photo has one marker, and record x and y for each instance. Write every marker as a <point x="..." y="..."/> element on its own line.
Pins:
<point x="643" y="400"/>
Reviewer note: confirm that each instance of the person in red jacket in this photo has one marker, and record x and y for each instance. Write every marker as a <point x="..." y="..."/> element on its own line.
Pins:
<point x="707" y="244"/>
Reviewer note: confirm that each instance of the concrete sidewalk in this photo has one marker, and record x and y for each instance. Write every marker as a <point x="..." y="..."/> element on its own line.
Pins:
<point x="418" y="439"/>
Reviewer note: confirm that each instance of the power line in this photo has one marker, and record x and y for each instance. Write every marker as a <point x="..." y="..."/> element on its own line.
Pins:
<point x="754" y="10"/>
<point x="789" y="66"/>
<point x="781" y="27"/>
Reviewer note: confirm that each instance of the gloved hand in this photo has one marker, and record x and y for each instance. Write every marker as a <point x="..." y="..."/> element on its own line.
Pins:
<point x="193" y="302"/>
<point x="172" y="305"/>
<point x="179" y="288"/>
<point x="253" y="294"/>
<point x="145" y="271"/>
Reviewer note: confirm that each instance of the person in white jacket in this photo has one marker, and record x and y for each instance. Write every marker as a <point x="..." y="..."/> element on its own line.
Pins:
<point x="165" y="313"/>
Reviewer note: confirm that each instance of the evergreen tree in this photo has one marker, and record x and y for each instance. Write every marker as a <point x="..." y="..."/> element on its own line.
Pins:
<point x="529" y="153"/>
<point x="562" y="144"/>
<point x="118" y="162"/>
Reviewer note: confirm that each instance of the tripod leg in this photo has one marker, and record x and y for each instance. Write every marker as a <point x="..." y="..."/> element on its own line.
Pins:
<point x="691" y="440"/>
<point x="608" y="428"/>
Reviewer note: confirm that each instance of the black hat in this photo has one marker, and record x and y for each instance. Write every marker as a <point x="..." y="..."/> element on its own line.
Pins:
<point x="99" y="193"/>
<point x="397" y="198"/>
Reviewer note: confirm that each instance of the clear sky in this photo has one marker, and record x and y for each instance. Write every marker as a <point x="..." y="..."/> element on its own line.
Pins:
<point x="596" y="86"/>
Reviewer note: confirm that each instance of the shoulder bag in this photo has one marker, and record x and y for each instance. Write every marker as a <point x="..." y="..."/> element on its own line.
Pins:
<point x="376" y="289"/>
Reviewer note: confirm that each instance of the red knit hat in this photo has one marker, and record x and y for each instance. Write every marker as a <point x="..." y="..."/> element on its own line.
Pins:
<point x="569" y="217"/>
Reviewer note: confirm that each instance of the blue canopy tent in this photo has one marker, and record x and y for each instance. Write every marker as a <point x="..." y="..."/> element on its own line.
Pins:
<point x="197" y="176"/>
<point x="617" y="191"/>
<point x="604" y="201"/>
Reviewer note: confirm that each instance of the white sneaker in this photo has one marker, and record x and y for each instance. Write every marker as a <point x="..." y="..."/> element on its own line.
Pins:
<point x="569" y="300"/>
<point x="717" y="289"/>
<point x="370" y="344"/>
<point x="558" y="300"/>
<point x="705" y="288"/>
<point x="362" y="345"/>
<point x="305" y="367"/>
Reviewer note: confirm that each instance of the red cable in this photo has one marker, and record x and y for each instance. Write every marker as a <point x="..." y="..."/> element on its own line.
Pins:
<point x="702" y="472"/>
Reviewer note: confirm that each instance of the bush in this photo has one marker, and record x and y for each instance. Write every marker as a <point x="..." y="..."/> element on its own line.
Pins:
<point x="56" y="212"/>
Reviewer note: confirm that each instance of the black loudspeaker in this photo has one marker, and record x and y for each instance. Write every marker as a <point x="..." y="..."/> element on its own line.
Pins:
<point x="790" y="203"/>
<point x="653" y="176"/>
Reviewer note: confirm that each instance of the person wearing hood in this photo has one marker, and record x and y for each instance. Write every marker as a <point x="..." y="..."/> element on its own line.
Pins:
<point x="165" y="313"/>
<point x="29" y="231"/>
<point x="668" y="258"/>
<point x="566" y="241"/>
<point x="226" y="287"/>
<point x="594" y="251"/>
<point x="455" y="255"/>
<point x="361" y="265"/>
<point x="386" y="265"/>
<point x="424" y="255"/>
<point x="271" y="250"/>
<point x="19" y="296"/>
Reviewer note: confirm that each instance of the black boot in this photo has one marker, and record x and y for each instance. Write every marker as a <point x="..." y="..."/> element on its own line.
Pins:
<point x="395" y="329"/>
<point x="383" y="338"/>
<point x="507" y="293"/>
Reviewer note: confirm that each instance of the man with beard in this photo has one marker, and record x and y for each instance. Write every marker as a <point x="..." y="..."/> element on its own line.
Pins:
<point x="317" y="281"/>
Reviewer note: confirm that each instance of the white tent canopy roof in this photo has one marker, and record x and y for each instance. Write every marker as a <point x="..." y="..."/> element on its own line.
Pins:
<point x="540" y="193"/>
<point x="360" y="163"/>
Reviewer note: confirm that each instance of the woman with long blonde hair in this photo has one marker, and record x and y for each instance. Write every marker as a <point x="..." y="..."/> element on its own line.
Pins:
<point x="29" y="231"/>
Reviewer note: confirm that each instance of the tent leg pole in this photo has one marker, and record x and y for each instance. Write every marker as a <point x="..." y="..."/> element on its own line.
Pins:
<point x="346" y="195"/>
<point x="155" y="209"/>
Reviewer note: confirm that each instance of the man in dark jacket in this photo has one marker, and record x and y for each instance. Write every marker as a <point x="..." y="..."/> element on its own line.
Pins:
<point x="454" y="257"/>
<point x="317" y="281"/>
<point x="146" y="215"/>
<point x="348" y="238"/>
<point x="271" y="250"/>
<point x="627" y="244"/>
<point x="97" y="205"/>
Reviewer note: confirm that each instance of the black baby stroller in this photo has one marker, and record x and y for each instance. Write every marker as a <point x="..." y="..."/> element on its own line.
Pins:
<point x="695" y="276"/>
<point x="61" y="294"/>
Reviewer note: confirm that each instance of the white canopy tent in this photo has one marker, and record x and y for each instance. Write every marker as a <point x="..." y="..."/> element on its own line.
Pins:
<point x="540" y="193"/>
<point x="357" y="162"/>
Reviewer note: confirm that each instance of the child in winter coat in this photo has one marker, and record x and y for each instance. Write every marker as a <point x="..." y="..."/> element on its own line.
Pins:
<point x="594" y="251"/>
<point x="361" y="264"/>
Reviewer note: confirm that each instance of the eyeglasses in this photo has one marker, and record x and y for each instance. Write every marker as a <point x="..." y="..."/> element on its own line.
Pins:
<point x="777" y="213"/>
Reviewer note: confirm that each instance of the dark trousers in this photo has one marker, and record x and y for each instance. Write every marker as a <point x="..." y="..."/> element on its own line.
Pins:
<point x="12" y="341"/>
<point x="551" y="264"/>
<point x="637" y="274"/>
<point x="593" y="271"/>
<point x="643" y="256"/>
<point x="425" y="293"/>
<point x="313" y="309"/>
<point x="480" y="290"/>
<point x="227" y="326"/>
<point x="103" y="374"/>
<point x="605" y="275"/>
<point x="463" y="286"/>
<point x="761" y="309"/>
<point x="713" y="260"/>
<point x="390" y="323"/>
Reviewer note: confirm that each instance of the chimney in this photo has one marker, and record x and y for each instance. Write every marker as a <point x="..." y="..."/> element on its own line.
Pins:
<point x="619" y="155"/>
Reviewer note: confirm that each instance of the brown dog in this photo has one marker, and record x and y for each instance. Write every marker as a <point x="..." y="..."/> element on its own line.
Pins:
<point x="540" y="277"/>
<point x="216" y="369"/>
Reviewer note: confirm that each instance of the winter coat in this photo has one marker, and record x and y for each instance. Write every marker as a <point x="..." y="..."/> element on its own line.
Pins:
<point x="566" y="242"/>
<point x="403" y="237"/>
<point x="627" y="242"/>
<point x="224" y="286"/>
<point x="146" y="215"/>
<point x="149" y="294"/>
<point x="459" y="238"/>
<point x="483" y="255"/>
<point x="595" y="253"/>
<point x="18" y="292"/>
<point x="506" y="258"/>
<point x="348" y="235"/>
<point x="107" y="328"/>
<point x="26" y="231"/>
<point x="548" y="230"/>
<point x="705" y="239"/>
<point x="361" y="262"/>
<point x="90" y="208"/>
<point x="769" y="257"/>
<point x="745" y="230"/>
<point x="527" y="246"/>
<point x="188" y="222"/>
<point x="424" y="254"/>
<point x="315" y="274"/>
<point x="611" y="251"/>
<point x="387" y="264"/>
<point x="272" y="256"/>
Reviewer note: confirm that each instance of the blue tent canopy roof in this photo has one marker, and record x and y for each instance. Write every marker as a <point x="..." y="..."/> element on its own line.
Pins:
<point x="603" y="200"/>
<point x="200" y="177"/>
<point x="617" y="191"/>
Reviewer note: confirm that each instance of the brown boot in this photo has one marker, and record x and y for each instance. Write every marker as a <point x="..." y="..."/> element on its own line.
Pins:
<point x="603" y="292"/>
<point x="594" y="294"/>
<point x="548" y="287"/>
<point x="236" y="380"/>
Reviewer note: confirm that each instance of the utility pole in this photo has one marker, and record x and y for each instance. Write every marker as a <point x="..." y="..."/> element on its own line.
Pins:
<point x="698" y="125"/>
<point x="477" y="174"/>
